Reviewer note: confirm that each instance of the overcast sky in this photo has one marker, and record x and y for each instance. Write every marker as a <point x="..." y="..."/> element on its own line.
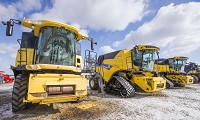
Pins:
<point x="172" y="25"/>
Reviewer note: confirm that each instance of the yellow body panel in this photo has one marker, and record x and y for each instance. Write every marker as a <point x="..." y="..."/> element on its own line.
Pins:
<point x="37" y="88"/>
<point x="51" y="67"/>
<point x="149" y="84"/>
<point x="192" y="72"/>
<point x="161" y="68"/>
<point x="181" y="79"/>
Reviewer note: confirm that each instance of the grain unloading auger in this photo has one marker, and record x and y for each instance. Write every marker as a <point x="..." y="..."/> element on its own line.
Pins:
<point x="48" y="64"/>
<point x="124" y="71"/>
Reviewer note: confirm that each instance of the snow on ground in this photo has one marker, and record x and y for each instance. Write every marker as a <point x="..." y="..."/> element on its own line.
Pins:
<point x="6" y="87"/>
<point x="170" y="104"/>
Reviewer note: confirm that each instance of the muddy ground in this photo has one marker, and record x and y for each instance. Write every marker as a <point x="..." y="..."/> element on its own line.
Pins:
<point x="177" y="103"/>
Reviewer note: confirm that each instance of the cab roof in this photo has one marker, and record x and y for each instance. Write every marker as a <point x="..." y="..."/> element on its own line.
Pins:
<point x="148" y="47"/>
<point x="36" y="25"/>
<point x="179" y="58"/>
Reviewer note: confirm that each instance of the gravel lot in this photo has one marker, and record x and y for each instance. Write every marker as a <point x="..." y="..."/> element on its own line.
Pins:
<point x="177" y="103"/>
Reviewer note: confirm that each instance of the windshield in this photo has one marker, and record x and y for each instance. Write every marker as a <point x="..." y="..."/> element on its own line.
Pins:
<point x="56" y="46"/>
<point x="171" y="63"/>
<point x="179" y="65"/>
<point x="145" y="59"/>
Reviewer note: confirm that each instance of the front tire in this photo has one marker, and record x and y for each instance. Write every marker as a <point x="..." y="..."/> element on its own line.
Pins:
<point x="19" y="93"/>
<point x="93" y="83"/>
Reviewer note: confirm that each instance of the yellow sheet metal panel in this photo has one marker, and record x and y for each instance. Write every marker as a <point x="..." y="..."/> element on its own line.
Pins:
<point x="38" y="83"/>
<point x="182" y="79"/>
<point x="51" y="67"/>
<point x="116" y="64"/>
<point x="150" y="84"/>
<point x="193" y="72"/>
<point x="161" y="68"/>
<point x="147" y="73"/>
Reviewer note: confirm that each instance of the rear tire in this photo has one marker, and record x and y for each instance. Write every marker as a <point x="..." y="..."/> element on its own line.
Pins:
<point x="93" y="83"/>
<point x="19" y="93"/>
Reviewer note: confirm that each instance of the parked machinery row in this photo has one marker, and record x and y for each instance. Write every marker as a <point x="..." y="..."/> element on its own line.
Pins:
<point x="125" y="71"/>
<point x="48" y="67"/>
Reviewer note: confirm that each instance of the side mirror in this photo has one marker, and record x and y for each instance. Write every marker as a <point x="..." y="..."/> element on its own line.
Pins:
<point x="92" y="44"/>
<point x="9" y="28"/>
<point x="135" y="50"/>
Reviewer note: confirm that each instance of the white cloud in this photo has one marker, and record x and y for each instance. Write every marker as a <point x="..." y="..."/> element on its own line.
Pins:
<point x="176" y="29"/>
<point x="28" y="5"/>
<point x="17" y="10"/>
<point x="106" y="49"/>
<point x="8" y="11"/>
<point x="83" y="31"/>
<point x="7" y="56"/>
<point x="8" y="48"/>
<point x="13" y="55"/>
<point x="96" y="14"/>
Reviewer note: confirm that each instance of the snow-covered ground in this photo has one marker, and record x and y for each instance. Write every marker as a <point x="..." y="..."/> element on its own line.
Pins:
<point x="178" y="103"/>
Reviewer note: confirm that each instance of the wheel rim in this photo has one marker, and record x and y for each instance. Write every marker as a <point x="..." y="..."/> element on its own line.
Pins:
<point x="118" y="85"/>
<point x="123" y="92"/>
<point x="92" y="83"/>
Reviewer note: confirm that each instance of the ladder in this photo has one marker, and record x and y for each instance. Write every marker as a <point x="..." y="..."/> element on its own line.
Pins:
<point x="90" y="61"/>
<point x="20" y="51"/>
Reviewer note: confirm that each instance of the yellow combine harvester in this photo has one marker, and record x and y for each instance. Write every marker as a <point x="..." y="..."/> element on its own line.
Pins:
<point x="123" y="71"/>
<point x="172" y="69"/>
<point x="48" y="64"/>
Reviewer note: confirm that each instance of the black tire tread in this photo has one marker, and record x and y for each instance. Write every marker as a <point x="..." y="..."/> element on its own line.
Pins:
<point x="19" y="92"/>
<point x="129" y="88"/>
